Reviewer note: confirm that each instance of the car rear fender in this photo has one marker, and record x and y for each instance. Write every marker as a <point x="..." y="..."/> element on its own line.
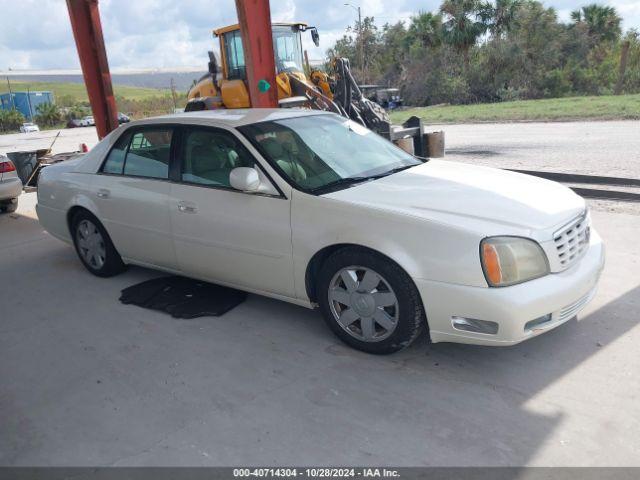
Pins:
<point x="59" y="192"/>
<point x="81" y="202"/>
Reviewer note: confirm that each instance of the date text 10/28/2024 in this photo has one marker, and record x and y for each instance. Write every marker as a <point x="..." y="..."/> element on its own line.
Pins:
<point x="315" y="473"/>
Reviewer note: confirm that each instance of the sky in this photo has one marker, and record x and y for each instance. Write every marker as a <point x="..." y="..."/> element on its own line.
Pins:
<point x="147" y="34"/>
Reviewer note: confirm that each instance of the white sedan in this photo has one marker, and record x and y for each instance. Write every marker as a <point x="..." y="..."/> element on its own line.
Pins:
<point x="313" y="209"/>
<point x="10" y="186"/>
<point x="29" y="127"/>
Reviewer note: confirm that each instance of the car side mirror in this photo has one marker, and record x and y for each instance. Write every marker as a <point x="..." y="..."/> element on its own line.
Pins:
<point x="315" y="36"/>
<point x="245" y="179"/>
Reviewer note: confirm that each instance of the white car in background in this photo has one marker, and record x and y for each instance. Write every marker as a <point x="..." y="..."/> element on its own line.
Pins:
<point x="29" y="127"/>
<point x="314" y="209"/>
<point x="10" y="186"/>
<point x="87" y="121"/>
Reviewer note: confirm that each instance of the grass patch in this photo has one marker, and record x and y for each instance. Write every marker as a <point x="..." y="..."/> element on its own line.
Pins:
<point x="606" y="107"/>
<point x="79" y="92"/>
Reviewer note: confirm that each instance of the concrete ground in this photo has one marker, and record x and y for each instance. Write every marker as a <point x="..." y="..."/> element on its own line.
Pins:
<point x="86" y="380"/>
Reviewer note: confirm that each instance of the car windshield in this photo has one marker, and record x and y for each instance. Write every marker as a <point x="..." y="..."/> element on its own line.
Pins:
<point x="321" y="153"/>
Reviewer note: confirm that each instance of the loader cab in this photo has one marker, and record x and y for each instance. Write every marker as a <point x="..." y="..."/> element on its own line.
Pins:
<point x="233" y="64"/>
<point x="225" y="86"/>
<point x="287" y="48"/>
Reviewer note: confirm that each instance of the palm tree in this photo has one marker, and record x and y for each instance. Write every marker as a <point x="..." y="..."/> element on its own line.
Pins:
<point x="602" y="22"/>
<point x="576" y="16"/>
<point x="499" y="19"/>
<point x="425" y="29"/>
<point x="462" y="27"/>
<point x="48" y="114"/>
<point x="10" y="120"/>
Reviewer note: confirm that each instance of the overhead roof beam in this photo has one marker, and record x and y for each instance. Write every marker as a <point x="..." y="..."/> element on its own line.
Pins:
<point x="87" y="31"/>
<point x="254" y="17"/>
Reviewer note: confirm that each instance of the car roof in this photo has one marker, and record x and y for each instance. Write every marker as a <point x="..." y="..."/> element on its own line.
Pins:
<point x="232" y="117"/>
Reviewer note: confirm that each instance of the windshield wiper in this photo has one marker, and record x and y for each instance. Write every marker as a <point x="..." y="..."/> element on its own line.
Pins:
<point x="392" y="171"/>
<point x="353" y="180"/>
<point x="339" y="183"/>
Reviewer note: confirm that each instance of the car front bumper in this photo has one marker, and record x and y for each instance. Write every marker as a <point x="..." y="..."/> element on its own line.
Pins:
<point x="10" y="188"/>
<point x="562" y="295"/>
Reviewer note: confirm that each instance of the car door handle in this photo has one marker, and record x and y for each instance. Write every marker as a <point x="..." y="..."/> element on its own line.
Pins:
<point x="104" y="193"/>
<point x="185" y="207"/>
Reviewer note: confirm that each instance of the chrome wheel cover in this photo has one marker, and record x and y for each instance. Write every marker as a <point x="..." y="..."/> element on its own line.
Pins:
<point x="91" y="244"/>
<point x="363" y="303"/>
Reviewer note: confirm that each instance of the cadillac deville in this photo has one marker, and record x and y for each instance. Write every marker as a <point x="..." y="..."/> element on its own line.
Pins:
<point x="311" y="208"/>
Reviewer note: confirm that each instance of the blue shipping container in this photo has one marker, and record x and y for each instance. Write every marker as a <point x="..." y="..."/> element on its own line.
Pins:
<point x="25" y="102"/>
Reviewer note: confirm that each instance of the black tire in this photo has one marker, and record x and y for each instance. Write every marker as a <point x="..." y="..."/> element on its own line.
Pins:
<point x="112" y="264"/>
<point x="9" y="206"/>
<point x="411" y="319"/>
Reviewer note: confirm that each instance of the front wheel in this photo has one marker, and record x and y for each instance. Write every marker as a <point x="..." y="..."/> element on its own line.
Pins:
<point x="369" y="302"/>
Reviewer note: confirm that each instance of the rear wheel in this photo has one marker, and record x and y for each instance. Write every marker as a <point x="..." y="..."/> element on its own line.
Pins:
<point x="94" y="247"/>
<point x="369" y="302"/>
<point x="9" y="206"/>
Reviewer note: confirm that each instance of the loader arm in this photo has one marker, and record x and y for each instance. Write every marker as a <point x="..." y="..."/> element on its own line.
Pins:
<point x="349" y="97"/>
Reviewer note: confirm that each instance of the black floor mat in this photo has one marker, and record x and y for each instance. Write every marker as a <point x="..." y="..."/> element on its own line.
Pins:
<point x="183" y="297"/>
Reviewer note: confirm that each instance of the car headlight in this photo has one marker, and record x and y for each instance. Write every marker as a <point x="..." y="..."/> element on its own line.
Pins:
<point x="510" y="260"/>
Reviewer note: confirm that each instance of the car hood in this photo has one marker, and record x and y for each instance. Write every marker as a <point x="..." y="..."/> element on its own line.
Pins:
<point x="460" y="193"/>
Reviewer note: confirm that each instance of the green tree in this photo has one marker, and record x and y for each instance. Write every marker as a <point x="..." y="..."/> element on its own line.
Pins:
<point x="437" y="57"/>
<point x="536" y="44"/>
<point x="462" y="24"/>
<point x="48" y="114"/>
<point x="10" y="120"/>
<point x="602" y="22"/>
<point x="361" y="51"/>
<point x="393" y="56"/>
<point x="499" y="17"/>
<point x="76" y="111"/>
<point x="631" y="74"/>
<point x="425" y="30"/>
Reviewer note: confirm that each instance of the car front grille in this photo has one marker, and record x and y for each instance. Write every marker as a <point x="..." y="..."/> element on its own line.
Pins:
<point x="572" y="240"/>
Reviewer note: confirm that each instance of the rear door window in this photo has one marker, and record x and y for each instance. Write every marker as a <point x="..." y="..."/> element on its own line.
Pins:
<point x="149" y="153"/>
<point x="115" y="161"/>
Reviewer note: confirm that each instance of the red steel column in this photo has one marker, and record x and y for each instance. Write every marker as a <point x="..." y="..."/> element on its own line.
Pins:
<point x="87" y="31"/>
<point x="254" y="17"/>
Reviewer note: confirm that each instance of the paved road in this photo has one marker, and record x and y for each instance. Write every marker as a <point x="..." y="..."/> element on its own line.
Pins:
<point x="89" y="381"/>
<point x="592" y="148"/>
<point x="68" y="141"/>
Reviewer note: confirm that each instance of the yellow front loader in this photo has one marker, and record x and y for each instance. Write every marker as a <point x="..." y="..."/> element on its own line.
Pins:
<point x="225" y="85"/>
